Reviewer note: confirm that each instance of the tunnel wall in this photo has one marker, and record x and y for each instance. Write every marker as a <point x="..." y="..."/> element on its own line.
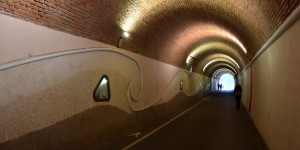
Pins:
<point x="20" y="39"/>
<point x="275" y="98"/>
<point x="245" y="81"/>
<point x="51" y="90"/>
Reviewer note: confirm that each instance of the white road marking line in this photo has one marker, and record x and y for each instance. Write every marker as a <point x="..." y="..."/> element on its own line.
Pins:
<point x="150" y="133"/>
<point x="137" y="134"/>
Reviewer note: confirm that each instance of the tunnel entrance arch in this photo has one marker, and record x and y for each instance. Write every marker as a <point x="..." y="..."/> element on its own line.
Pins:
<point x="227" y="81"/>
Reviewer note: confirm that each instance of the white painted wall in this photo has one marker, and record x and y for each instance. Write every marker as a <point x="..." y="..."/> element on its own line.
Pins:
<point x="245" y="81"/>
<point x="276" y="97"/>
<point x="39" y="94"/>
<point x="20" y="39"/>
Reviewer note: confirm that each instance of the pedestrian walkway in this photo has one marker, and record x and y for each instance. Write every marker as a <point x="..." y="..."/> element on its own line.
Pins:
<point x="215" y="124"/>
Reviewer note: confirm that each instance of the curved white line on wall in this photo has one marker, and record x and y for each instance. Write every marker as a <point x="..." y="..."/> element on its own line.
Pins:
<point x="193" y="91"/>
<point x="130" y="86"/>
<point x="61" y="85"/>
<point x="59" y="54"/>
<point x="130" y="96"/>
<point x="77" y="51"/>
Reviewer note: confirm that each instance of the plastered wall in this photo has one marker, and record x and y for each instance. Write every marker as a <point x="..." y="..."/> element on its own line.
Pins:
<point x="51" y="88"/>
<point x="21" y="39"/>
<point x="245" y="81"/>
<point x="275" y="98"/>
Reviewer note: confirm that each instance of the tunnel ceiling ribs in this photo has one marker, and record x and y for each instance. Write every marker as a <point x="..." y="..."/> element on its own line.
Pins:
<point x="171" y="31"/>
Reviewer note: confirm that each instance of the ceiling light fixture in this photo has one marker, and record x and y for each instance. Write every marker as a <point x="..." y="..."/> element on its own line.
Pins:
<point x="126" y="34"/>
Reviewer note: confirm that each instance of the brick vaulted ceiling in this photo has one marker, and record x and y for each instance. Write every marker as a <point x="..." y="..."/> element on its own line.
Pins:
<point x="171" y="31"/>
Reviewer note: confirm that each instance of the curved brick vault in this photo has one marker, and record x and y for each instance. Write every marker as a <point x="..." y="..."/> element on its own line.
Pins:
<point x="166" y="30"/>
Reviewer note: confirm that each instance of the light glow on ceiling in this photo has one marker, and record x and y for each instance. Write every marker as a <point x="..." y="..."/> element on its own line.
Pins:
<point x="197" y="32"/>
<point x="129" y="23"/>
<point x="208" y="30"/>
<point x="189" y="59"/>
<point x="232" y="61"/>
<point x="212" y="61"/>
<point x="219" y="57"/>
<point x="209" y="33"/>
<point x="223" y="70"/>
<point x="235" y="72"/>
<point x="216" y="60"/>
<point x="135" y="12"/>
<point x="216" y="46"/>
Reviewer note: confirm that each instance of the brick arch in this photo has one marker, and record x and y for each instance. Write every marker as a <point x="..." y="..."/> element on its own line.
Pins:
<point x="253" y="22"/>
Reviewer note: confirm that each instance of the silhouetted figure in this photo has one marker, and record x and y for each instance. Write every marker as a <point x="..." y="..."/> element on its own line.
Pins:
<point x="238" y="94"/>
<point x="221" y="86"/>
<point x="218" y="86"/>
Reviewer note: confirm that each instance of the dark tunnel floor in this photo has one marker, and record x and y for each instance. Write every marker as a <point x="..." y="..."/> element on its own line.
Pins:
<point x="215" y="124"/>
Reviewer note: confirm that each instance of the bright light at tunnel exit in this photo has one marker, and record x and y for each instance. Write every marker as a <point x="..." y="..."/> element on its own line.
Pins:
<point x="227" y="81"/>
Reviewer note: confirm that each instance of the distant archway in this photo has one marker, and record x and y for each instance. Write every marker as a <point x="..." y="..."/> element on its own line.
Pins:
<point x="227" y="81"/>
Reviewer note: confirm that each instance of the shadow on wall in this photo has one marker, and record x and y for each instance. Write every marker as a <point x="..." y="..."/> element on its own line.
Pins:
<point x="40" y="93"/>
<point x="95" y="128"/>
<point x="45" y="91"/>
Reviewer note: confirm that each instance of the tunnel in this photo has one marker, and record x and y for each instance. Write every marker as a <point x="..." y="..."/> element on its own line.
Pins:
<point x="111" y="74"/>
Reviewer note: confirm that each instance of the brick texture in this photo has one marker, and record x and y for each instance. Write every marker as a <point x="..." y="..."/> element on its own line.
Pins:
<point x="155" y="35"/>
<point x="89" y="19"/>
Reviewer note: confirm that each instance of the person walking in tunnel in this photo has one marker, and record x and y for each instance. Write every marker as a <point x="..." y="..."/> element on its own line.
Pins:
<point x="238" y="94"/>
<point x="218" y="86"/>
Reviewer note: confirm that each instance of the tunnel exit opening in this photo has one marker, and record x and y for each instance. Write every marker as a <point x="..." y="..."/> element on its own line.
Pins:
<point x="227" y="82"/>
